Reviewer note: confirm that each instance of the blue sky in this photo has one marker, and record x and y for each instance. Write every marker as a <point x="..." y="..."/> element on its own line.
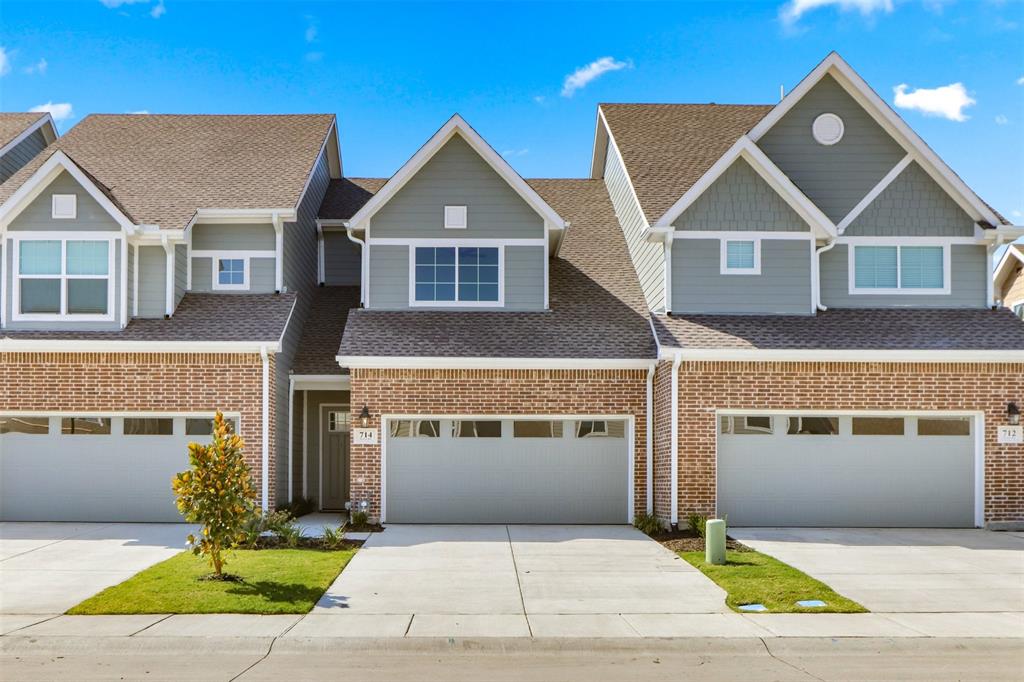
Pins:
<point x="393" y="73"/>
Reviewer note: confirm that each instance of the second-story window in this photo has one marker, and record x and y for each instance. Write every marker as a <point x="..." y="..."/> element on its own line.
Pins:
<point x="740" y="257"/>
<point x="232" y="273"/>
<point x="64" y="278"/>
<point x="905" y="269"/>
<point x="449" y="275"/>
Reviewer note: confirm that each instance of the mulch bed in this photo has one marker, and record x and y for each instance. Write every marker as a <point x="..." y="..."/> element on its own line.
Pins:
<point x="274" y="542"/>
<point x="364" y="528"/>
<point x="686" y="540"/>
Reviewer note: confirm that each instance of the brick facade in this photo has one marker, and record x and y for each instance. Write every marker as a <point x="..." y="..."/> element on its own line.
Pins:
<point x="138" y="382"/>
<point x="705" y="387"/>
<point x="498" y="392"/>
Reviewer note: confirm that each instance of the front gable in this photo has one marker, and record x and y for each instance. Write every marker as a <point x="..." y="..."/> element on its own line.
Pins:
<point x="913" y="205"/>
<point x="37" y="213"/>
<point x="836" y="176"/>
<point x="740" y="200"/>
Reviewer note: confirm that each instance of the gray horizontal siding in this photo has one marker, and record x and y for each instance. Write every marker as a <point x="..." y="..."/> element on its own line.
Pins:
<point x="834" y="177"/>
<point x="913" y="205"/>
<point x="37" y="215"/>
<point x="457" y="175"/>
<point x="648" y="259"/>
<point x="389" y="277"/>
<point x="342" y="264"/>
<point x="257" y="237"/>
<point x="180" y="272"/>
<point x="261" y="276"/>
<point x="152" y="281"/>
<point x="741" y="200"/>
<point x="524" y="278"/>
<point x="968" y="282"/>
<point x="202" y="275"/>
<point x="21" y="154"/>
<point x="784" y="285"/>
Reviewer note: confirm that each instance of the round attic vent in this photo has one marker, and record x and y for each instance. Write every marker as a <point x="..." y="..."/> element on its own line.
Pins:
<point x="827" y="129"/>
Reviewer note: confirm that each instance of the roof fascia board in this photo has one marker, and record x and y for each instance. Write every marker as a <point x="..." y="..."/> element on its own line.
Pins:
<point x="839" y="355"/>
<point x="614" y="147"/>
<point x="744" y="148"/>
<point x="333" y="165"/>
<point x="422" y="362"/>
<point x="455" y="125"/>
<point x="41" y="179"/>
<point x="890" y="121"/>
<point x="226" y="216"/>
<point x="11" y="345"/>
<point x="599" y="153"/>
<point x="49" y="132"/>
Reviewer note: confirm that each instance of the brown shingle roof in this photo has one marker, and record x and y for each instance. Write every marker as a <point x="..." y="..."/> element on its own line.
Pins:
<point x="668" y="147"/>
<point x="198" y="317"/>
<point x="318" y="348"/>
<point x="597" y="308"/>
<point x="13" y="124"/>
<point x="346" y="196"/>
<point x="865" y="329"/>
<point x="161" y="168"/>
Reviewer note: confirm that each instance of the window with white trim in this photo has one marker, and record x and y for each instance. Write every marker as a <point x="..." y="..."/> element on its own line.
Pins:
<point x="63" y="278"/>
<point x="740" y="257"/>
<point x="457" y="275"/>
<point x="64" y="207"/>
<point x="455" y="218"/>
<point x="899" y="268"/>
<point x="230" y="272"/>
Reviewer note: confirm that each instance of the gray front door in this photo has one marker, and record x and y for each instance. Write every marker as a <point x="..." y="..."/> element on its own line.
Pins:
<point x="334" y="439"/>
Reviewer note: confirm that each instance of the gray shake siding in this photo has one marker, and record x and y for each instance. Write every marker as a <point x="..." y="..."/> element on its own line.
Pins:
<point x="342" y="260"/>
<point x="834" y="177"/>
<point x="152" y="281"/>
<point x="648" y="259"/>
<point x="457" y="175"/>
<point x="21" y="154"/>
<point x="784" y="285"/>
<point x="740" y="200"/>
<point x="968" y="282"/>
<point x="912" y="206"/>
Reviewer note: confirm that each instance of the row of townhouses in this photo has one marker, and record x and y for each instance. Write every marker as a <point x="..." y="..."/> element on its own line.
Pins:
<point x="781" y="313"/>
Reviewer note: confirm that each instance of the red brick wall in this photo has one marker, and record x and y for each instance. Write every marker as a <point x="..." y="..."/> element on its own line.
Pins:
<point x="707" y="386"/>
<point x="129" y="382"/>
<point x="498" y="392"/>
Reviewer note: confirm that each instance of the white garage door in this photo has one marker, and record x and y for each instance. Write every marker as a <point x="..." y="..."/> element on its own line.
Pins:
<point x="89" y="468"/>
<point x="440" y="470"/>
<point x="854" y="471"/>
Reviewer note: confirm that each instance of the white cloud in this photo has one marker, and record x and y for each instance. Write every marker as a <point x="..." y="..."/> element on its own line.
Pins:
<point x="61" y="111"/>
<point x="114" y="4"/>
<point x="140" y="111"/>
<point x="794" y="9"/>
<point x="1002" y="120"/>
<point x="510" y="153"/>
<point x="39" y="67"/>
<point x="947" y="101"/>
<point x="1020" y="81"/>
<point x="158" y="10"/>
<point x="578" y="79"/>
<point x="5" y="62"/>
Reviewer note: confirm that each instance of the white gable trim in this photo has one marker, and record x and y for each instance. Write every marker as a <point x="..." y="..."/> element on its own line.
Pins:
<point x="1013" y="253"/>
<point x="745" y="149"/>
<point x="875" y="191"/>
<point x="49" y="132"/>
<point x="42" y="178"/>
<point x="456" y="126"/>
<point x="891" y="122"/>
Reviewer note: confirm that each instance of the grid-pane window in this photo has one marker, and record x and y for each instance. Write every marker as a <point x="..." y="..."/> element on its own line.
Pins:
<point x="921" y="267"/>
<point x="231" y="271"/>
<point x="435" y="273"/>
<point x="64" y="277"/>
<point x="876" y="267"/>
<point x="39" y="257"/>
<point x="739" y="255"/>
<point x="478" y="274"/>
<point x="464" y="273"/>
<point x="87" y="258"/>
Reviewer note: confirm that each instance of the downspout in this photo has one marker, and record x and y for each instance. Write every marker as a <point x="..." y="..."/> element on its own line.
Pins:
<point x="650" y="438"/>
<point x="291" y="439"/>
<point x="362" y="261"/>
<point x="275" y="219"/>
<point x="265" y="433"/>
<point x="817" y="274"/>
<point x="990" y="287"/>
<point x="674" y="514"/>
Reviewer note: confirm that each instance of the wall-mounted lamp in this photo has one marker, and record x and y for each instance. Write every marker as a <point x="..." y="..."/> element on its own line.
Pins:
<point x="364" y="417"/>
<point x="1013" y="413"/>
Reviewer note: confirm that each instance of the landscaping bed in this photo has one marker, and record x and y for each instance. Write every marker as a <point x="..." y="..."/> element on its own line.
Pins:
<point x="688" y="540"/>
<point x="268" y="580"/>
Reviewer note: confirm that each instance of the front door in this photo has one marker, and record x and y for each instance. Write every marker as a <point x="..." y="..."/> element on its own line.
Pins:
<point x="334" y="427"/>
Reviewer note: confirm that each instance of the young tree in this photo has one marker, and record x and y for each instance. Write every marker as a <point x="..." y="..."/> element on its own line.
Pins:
<point x="216" y="493"/>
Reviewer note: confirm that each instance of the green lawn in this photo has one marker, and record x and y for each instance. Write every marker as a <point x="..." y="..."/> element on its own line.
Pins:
<point x="273" y="581"/>
<point x="755" y="578"/>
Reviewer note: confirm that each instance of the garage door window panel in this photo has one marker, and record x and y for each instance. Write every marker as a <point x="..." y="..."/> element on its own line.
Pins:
<point x="27" y="425"/>
<point x="148" y="426"/>
<point x="813" y="426"/>
<point x="534" y="428"/>
<point x="415" y="428"/>
<point x="203" y="426"/>
<point x="957" y="426"/>
<point x="600" y="428"/>
<point x="476" y="429"/>
<point x="90" y="426"/>
<point x="747" y="425"/>
<point x="878" y="426"/>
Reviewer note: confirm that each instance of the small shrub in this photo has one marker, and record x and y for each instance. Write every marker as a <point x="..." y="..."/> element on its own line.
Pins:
<point x="275" y="523"/>
<point x="290" y="534"/>
<point x="358" y="519"/>
<point x="697" y="523"/>
<point x="648" y="524"/>
<point x="300" y="506"/>
<point x="334" y="538"/>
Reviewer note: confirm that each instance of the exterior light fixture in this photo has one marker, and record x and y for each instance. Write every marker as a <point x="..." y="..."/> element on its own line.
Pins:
<point x="1013" y="414"/>
<point x="364" y="417"/>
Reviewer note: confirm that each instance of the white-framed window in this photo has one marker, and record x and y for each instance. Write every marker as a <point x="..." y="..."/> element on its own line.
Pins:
<point x="455" y="218"/>
<point x="230" y="272"/>
<point x="64" y="207"/>
<point x="899" y="268"/>
<point x="63" y="276"/>
<point x="740" y="257"/>
<point x="457" y="275"/>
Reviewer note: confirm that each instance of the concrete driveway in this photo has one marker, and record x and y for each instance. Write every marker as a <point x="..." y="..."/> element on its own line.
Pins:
<point x="906" y="570"/>
<point x="47" y="568"/>
<point x="510" y="581"/>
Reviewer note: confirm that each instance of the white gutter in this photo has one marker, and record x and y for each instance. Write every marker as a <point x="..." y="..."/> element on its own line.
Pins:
<point x="291" y="425"/>
<point x="650" y="438"/>
<point x="278" y="224"/>
<point x="990" y="288"/>
<point x="363" y="260"/>
<point x="674" y="514"/>
<point x="841" y="355"/>
<point x="421" y="362"/>
<point x="816" y="274"/>
<point x="9" y="345"/>
<point x="265" y="433"/>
